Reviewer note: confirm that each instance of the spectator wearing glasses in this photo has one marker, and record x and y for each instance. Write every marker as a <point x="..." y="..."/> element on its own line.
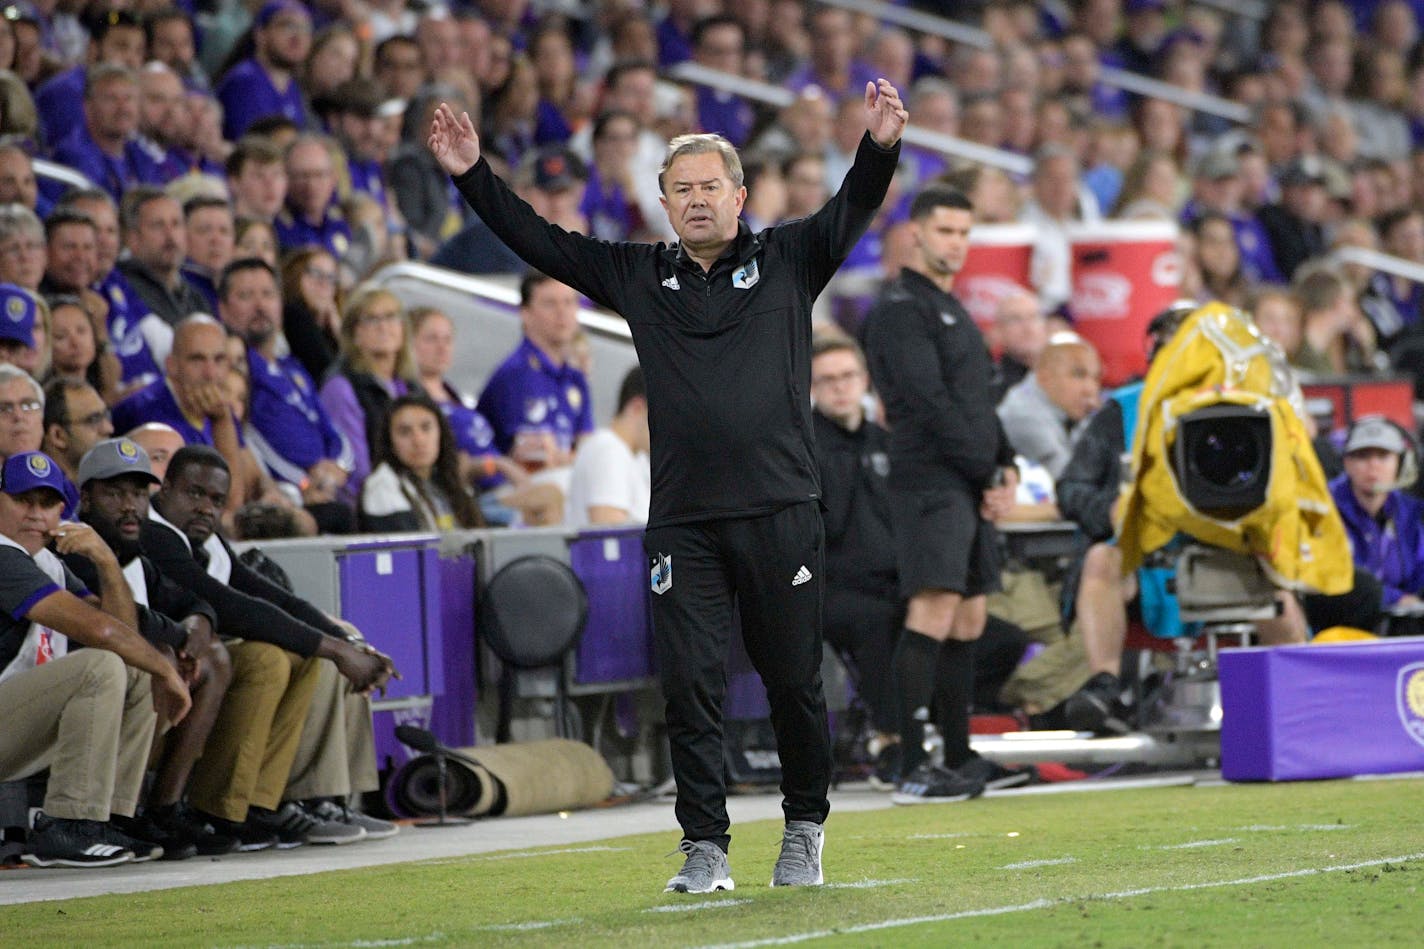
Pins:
<point x="311" y="214"/>
<point x="265" y="84"/>
<point x="311" y="314"/>
<point x="21" y="411"/>
<point x="75" y="420"/>
<point x="375" y="368"/>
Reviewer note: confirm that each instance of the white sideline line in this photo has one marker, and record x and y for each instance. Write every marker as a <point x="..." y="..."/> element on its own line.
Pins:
<point x="1045" y="903"/>
<point x="1194" y="844"/>
<point x="694" y="907"/>
<point x="520" y="855"/>
<point x="1257" y="828"/>
<point x="1032" y="864"/>
<point x="532" y="924"/>
<point x="358" y="943"/>
<point x="867" y="884"/>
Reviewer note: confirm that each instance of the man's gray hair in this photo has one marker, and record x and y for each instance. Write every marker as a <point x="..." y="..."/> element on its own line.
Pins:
<point x="703" y="143"/>
<point x="9" y="372"/>
<point x="17" y="220"/>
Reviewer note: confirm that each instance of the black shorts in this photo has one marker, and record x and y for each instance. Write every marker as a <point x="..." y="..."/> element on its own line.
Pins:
<point x="941" y="543"/>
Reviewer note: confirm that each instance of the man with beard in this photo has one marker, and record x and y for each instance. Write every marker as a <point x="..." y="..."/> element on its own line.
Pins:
<point x="265" y="84"/>
<point x="239" y="792"/>
<point x="75" y="420"/>
<point x="291" y="433"/>
<point x="114" y="478"/>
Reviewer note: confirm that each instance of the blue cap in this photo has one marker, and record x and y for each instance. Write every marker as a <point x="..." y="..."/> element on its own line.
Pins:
<point x="34" y="469"/>
<point x="275" y="8"/>
<point x="18" y="310"/>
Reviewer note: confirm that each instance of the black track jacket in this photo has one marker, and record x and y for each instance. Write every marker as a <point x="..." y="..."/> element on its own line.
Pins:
<point x="933" y="371"/>
<point x="726" y="354"/>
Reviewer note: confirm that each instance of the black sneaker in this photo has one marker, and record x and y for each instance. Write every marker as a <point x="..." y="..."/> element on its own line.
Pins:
<point x="1097" y="707"/>
<point x="60" y="842"/>
<point x="144" y="829"/>
<point x="182" y="821"/>
<point x="143" y="850"/>
<point x="249" y="836"/>
<point x="290" y="823"/>
<point x="931" y="784"/>
<point x="996" y="777"/>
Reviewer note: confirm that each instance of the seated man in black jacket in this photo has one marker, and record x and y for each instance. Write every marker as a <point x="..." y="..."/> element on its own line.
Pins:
<point x="114" y="477"/>
<point x="863" y="611"/>
<point x="244" y="795"/>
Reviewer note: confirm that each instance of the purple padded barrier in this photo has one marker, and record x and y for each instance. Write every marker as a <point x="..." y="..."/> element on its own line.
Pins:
<point x="1328" y="711"/>
<point x="452" y="717"/>
<point x="383" y="593"/>
<point x="617" y="644"/>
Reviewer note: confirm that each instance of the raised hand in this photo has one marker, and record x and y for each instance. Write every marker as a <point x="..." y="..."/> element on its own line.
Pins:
<point x="885" y="114"/>
<point x="453" y="140"/>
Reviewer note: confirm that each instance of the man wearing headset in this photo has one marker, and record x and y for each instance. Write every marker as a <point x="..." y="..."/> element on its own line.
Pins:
<point x="1385" y="522"/>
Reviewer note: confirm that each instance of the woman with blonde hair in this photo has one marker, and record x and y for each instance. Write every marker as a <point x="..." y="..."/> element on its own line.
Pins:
<point x="374" y="369"/>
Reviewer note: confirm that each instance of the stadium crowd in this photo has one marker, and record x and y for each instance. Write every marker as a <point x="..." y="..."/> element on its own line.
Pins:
<point x="198" y="319"/>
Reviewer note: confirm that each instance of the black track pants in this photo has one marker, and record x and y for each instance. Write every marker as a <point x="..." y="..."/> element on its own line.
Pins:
<point x="771" y="568"/>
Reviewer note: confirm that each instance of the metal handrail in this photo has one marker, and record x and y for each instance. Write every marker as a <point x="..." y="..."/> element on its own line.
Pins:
<point x="494" y="289"/>
<point x="1375" y="260"/>
<point x="779" y="96"/>
<point x="1121" y="78"/>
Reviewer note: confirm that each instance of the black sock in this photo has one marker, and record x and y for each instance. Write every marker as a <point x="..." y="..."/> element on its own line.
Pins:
<point x="914" y="667"/>
<point x="953" y="693"/>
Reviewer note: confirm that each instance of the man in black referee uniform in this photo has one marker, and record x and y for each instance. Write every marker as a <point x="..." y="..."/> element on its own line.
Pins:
<point x="722" y="323"/>
<point x="951" y="474"/>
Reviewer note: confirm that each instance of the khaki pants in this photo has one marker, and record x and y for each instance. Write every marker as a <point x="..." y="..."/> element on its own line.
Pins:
<point x="249" y="753"/>
<point x="337" y="754"/>
<point x="88" y="718"/>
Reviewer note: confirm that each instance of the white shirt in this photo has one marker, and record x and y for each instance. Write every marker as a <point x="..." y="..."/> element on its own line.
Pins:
<point x="606" y="473"/>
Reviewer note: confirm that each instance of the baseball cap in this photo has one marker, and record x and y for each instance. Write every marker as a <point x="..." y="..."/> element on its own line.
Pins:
<point x="558" y="168"/>
<point x="34" y="469"/>
<point x="114" y="458"/>
<point x="1303" y="170"/>
<point x="1375" y="431"/>
<point x="17" y="314"/>
<point x="275" y="8"/>
<point x="1217" y="164"/>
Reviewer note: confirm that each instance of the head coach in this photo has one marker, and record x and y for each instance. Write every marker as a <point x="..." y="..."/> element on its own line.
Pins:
<point x="722" y="323"/>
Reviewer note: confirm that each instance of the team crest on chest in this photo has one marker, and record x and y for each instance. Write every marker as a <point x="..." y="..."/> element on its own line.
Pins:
<point x="746" y="276"/>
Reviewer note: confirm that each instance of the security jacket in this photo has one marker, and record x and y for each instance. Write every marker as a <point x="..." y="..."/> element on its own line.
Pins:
<point x="726" y="352"/>
<point x="934" y="374"/>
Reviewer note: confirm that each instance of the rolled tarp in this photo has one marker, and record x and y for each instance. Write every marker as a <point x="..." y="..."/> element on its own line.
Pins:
<point x="536" y="777"/>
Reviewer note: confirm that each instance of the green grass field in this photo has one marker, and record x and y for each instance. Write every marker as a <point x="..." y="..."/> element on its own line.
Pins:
<point x="1332" y="863"/>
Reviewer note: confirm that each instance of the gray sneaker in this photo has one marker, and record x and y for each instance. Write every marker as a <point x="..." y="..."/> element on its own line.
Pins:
<point x="375" y="828"/>
<point x="704" y="871"/>
<point x="318" y="829"/>
<point x="800" y="860"/>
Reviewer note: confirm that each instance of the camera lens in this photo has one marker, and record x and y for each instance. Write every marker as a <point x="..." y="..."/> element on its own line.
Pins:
<point x="1228" y="455"/>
